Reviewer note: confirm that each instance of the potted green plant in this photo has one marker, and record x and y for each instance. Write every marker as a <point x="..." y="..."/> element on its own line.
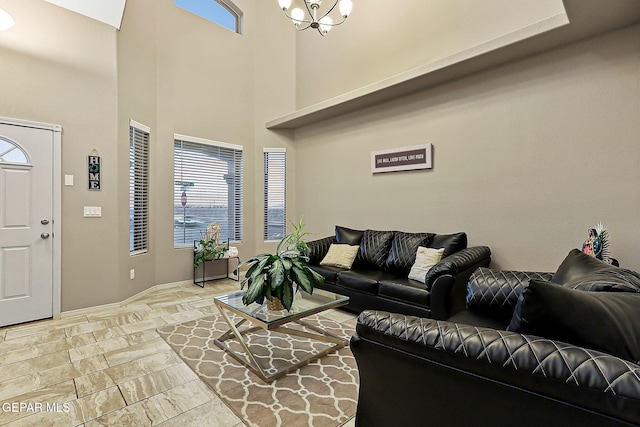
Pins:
<point x="207" y="249"/>
<point x="273" y="276"/>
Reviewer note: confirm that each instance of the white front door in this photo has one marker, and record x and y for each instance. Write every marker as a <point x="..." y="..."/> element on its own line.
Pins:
<point x="26" y="223"/>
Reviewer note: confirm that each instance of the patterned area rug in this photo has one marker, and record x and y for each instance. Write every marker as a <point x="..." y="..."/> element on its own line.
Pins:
<point x="321" y="393"/>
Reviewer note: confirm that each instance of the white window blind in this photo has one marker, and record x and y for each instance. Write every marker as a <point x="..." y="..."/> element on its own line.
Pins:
<point x="275" y="193"/>
<point x="207" y="188"/>
<point x="138" y="188"/>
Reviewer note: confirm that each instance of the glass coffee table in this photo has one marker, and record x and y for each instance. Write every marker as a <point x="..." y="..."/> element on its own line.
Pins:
<point x="261" y="319"/>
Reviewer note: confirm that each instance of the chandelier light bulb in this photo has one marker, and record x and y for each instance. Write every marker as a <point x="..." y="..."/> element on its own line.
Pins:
<point x="345" y="8"/>
<point x="325" y="24"/>
<point x="285" y="4"/>
<point x="297" y="15"/>
<point x="6" y="21"/>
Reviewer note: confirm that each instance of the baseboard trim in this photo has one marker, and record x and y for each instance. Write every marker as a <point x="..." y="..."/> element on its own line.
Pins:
<point x="133" y="298"/>
<point x="87" y="310"/>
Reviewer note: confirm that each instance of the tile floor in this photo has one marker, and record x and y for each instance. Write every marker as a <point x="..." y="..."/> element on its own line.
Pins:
<point x="109" y="367"/>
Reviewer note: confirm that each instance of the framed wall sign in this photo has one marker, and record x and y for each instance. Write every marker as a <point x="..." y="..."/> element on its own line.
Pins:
<point x="401" y="159"/>
<point x="94" y="172"/>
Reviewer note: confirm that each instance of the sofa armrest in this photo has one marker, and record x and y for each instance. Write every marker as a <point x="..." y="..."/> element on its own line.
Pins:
<point x="318" y="248"/>
<point x="458" y="262"/>
<point x="582" y="377"/>
<point x="496" y="292"/>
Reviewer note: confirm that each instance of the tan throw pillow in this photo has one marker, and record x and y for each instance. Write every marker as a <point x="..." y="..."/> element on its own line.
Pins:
<point x="341" y="256"/>
<point x="425" y="259"/>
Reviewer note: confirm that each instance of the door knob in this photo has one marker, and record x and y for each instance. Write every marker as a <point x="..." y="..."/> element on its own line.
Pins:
<point x="45" y="235"/>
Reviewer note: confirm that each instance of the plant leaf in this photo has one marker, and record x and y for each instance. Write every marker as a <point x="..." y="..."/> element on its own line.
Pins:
<point x="283" y="243"/>
<point x="276" y="274"/>
<point x="290" y="253"/>
<point x="287" y="297"/>
<point x="318" y="279"/>
<point x="287" y="264"/>
<point x="259" y="268"/>
<point x="254" y="291"/>
<point x="301" y="278"/>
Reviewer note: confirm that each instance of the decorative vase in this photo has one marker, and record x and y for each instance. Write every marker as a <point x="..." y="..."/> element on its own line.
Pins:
<point x="275" y="304"/>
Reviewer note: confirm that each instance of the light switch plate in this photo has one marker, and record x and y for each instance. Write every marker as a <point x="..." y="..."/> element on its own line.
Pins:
<point x="92" y="211"/>
<point x="68" y="180"/>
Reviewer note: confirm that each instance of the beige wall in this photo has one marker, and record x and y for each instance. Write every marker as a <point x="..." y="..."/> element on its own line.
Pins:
<point x="202" y="81"/>
<point x="382" y="38"/>
<point x="527" y="156"/>
<point x="167" y="69"/>
<point x="59" y="67"/>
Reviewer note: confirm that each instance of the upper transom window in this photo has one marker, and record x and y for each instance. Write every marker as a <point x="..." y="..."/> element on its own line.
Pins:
<point x="221" y="12"/>
<point x="11" y="153"/>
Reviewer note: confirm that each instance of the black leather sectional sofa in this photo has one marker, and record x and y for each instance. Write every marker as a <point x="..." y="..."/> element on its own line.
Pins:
<point x="379" y="280"/>
<point x="532" y="349"/>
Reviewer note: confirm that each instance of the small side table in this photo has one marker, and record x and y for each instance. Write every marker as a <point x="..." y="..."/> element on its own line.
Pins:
<point x="227" y="259"/>
<point x="200" y="282"/>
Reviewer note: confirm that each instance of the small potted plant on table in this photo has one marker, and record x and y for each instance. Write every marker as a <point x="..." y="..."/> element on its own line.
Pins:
<point x="207" y="250"/>
<point x="273" y="276"/>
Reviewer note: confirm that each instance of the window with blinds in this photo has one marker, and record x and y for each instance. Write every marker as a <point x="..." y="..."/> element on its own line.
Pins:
<point x="275" y="190"/>
<point x="138" y="188"/>
<point x="207" y="188"/>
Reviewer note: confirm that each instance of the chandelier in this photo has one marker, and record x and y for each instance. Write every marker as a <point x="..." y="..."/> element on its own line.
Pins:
<point x="313" y="18"/>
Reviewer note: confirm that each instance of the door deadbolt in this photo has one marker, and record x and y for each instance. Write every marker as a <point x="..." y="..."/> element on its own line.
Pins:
<point x="44" y="222"/>
<point x="45" y="235"/>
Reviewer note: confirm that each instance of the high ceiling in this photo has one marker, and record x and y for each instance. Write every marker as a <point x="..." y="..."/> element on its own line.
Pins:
<point x="108" y="11"/>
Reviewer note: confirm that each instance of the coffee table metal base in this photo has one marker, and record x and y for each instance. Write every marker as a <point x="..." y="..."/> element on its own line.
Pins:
<point x="250" y="360"/>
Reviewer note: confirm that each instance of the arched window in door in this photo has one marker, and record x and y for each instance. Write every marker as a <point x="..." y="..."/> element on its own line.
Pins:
<point x="221" y="12"/>
<point x="11" y="153"/>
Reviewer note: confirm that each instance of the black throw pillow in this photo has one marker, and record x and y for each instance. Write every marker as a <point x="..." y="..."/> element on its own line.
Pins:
<point x="347" y="236"/>
<point x="577" y="265"/>
<point x="374" y="249"/>
<point x="614" y="279"/>
<point x="451" y="243"/>
<point x="403" y="251"/>
<point x="604" y="321"/>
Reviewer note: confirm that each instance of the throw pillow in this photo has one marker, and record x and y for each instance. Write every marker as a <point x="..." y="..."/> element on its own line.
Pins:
<point x="341" y="256"/>
<point x="425" y="259"/>
<point x="604" y="321"/>
<point x="403" y="251"/>
<point x="577" y="265"/>
<point x="612" y="279"/>
<point x="374" y="248"/>
<point x="451" y="243"/>
<point x="347" y="236"/>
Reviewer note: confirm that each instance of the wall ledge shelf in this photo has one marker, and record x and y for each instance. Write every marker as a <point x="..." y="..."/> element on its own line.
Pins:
<point x="582" y="19"/>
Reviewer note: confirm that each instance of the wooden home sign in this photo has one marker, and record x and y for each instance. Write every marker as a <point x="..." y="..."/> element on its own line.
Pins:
<point x="94" y="173"/>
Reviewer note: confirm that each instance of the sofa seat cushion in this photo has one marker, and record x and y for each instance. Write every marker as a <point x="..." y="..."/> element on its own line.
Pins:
<point x="329" y="273"/>
<point x="405" y="290"/>
<point x="362" y="280"/>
